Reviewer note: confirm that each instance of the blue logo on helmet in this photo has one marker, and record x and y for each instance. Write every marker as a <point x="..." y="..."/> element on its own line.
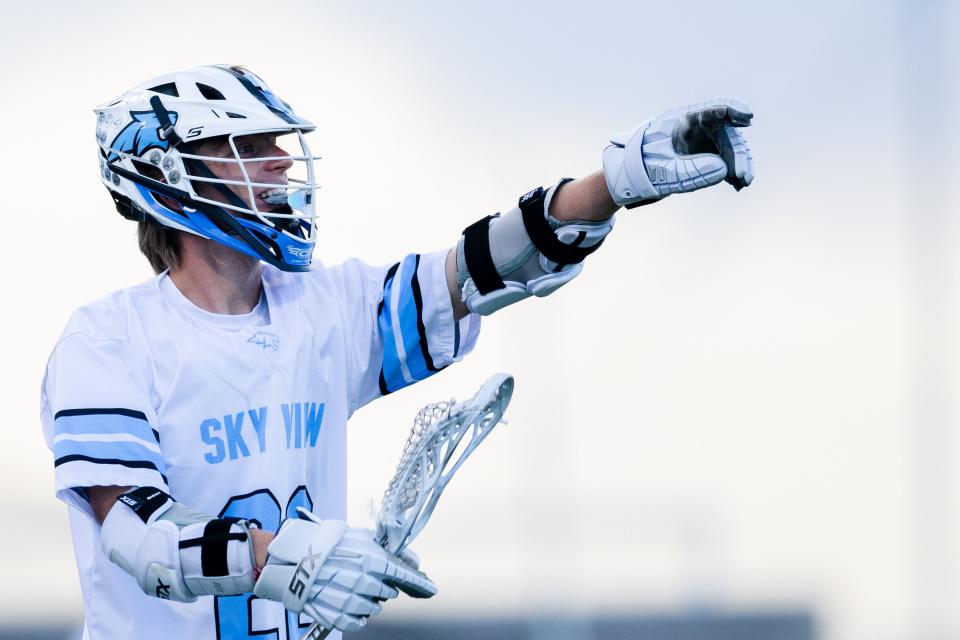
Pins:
<point x="141" y="135"/>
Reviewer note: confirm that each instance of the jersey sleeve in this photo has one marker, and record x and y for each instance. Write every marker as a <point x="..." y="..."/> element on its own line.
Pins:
<point x="98" y="419"/>
<point x="399" y="324"/>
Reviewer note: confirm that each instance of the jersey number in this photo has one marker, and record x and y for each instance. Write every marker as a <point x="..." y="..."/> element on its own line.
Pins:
<point x="235" y="614"/>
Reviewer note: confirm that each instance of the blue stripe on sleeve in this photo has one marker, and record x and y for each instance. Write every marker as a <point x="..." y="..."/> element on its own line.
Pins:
<point x="409" y="319"/>
<point x="94" y="421"/>
<point x="126" y="451"/>
<point x="392" y="371"/>
<point x="409" y="312"/>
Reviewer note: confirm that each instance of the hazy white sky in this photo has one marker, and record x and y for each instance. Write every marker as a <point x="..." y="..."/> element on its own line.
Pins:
<point x="717" y="413"/>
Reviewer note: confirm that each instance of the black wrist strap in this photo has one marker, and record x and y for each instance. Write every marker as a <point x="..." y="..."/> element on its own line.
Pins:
<point x="544" y="237"/>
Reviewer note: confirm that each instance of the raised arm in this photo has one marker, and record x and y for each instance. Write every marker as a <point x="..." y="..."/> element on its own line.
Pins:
<point x="585" y="199"/>
<point x="540" y="245"/>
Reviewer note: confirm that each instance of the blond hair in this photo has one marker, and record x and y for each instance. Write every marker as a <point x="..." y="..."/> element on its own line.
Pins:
<point x="160" y="244"/>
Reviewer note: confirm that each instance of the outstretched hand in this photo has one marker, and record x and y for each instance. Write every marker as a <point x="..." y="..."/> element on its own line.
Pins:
<point x="710" y="127"/>
<point x="682" y="149"/>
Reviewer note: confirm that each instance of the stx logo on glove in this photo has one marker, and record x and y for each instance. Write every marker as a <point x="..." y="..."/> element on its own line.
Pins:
<point x="163" y="590"/>
<point x="297" y="585"/>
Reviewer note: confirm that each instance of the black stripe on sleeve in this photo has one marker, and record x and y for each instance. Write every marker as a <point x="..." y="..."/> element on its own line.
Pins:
<point x="421" y="329"/>
<point x="383" y="384"/>
<point x="391" y="272"/>
<point x="456" y="339"/>
<point x="133" y="464"/>
<point x="130" y="413"/>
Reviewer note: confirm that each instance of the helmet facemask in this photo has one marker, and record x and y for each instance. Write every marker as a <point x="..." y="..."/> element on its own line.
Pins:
<point x="274" y="186"/>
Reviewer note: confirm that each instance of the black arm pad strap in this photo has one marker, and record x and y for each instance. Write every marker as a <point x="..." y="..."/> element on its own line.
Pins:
<point x="144" y="501"/>
<point x="476" y="253"/>
<point x="543" y="236"/>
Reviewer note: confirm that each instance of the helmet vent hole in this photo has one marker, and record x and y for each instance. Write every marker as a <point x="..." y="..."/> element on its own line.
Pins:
<point x="236" y="115"/>
<point x="209" y="92"/>
<point x="169" y="89"/>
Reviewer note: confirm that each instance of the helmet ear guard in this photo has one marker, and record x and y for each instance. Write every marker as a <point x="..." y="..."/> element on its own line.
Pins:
<point x="148" y="167"/>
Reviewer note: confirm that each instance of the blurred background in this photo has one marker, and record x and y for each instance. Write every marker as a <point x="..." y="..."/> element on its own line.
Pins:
<point x="740" y="422"/>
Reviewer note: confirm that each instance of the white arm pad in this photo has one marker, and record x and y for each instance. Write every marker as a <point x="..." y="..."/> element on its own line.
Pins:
<point x="526" y="251"/>
<point x="173" y="553"/>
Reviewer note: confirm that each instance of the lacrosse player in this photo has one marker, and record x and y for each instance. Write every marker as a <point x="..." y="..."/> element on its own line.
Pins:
<point x="198" y="420"/>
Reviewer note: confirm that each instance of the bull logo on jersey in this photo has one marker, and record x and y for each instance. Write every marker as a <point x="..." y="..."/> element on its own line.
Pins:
<point x="140" y="135"/>
<point x="266" y="340"/>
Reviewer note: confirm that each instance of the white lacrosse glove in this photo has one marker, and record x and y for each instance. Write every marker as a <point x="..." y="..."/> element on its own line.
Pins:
<point x="335" y="574"/>
<point x="683" y="149"/>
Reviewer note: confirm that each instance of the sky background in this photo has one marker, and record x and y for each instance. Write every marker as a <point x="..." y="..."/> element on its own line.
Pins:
<point x="745" y="403"/>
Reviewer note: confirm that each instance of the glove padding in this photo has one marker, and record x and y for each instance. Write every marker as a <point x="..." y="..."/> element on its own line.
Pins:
<point x="335" y="574"/>
<point x="683" y="149"/>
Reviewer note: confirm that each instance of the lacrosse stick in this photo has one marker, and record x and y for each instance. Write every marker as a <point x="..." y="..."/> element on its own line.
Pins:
<point x="437" y="433"/>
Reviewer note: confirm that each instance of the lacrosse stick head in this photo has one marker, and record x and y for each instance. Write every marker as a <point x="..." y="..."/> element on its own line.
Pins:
<point x="434" y="450"/>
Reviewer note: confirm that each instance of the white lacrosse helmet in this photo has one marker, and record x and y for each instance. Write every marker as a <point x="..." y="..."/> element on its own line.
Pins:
<point x="144" y="138"/>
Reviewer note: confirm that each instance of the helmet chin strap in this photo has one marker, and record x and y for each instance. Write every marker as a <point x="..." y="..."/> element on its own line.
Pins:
<point x="167" y="132"/>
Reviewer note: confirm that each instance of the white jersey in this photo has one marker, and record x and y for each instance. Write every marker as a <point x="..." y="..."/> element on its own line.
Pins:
<point x="239" y="416"/>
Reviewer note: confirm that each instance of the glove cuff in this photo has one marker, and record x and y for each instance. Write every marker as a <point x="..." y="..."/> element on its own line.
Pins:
<point x="624" y="170"/>
<point x="290" y="572"/>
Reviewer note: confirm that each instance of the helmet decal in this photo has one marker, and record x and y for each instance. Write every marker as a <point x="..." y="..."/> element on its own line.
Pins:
<point x="262" y="92"/>
<point x="140" y="135"/>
